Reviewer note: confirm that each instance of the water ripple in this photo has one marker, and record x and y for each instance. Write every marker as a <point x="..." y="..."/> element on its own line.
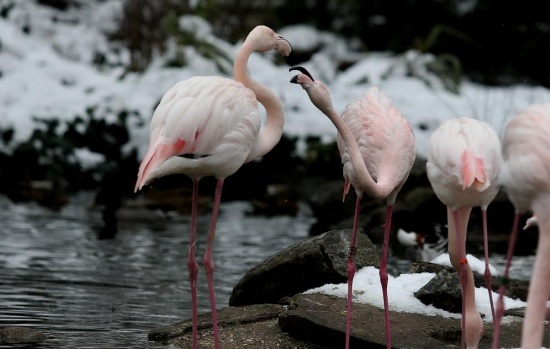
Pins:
<point x="84" y="292"/>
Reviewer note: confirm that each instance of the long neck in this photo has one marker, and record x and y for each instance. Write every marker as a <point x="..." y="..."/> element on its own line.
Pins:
<point x="363" y="177"/>
<point x="271" y="133"/>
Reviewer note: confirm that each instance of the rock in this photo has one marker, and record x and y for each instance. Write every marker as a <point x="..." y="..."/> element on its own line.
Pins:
<point x="308" y="264"/>
<point x="317" y="321"/>
<point x="253" y="326"/>
<point x="16" y="335"/>
<point x="443" y="292"/>
<point x="226" y="317"/>
<point x="516" y="288"/>
<point x="320" y="319"/>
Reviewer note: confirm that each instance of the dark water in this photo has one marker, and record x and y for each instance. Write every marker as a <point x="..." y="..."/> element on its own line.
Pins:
<point x="85" y="292"/>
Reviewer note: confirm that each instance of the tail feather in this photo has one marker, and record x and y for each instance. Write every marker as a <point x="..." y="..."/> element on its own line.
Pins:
<point x="155" y="156"/>
<point x="346" y="190"/>
<point x="473" y="171"/>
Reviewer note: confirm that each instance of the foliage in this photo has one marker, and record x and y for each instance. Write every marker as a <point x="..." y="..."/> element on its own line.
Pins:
<point x="495" y="42"/>
<point x="148" y="27"/>
<point x="49" y="154"/>
<point x="187" y="37"/>
<point x="141" y="29"/>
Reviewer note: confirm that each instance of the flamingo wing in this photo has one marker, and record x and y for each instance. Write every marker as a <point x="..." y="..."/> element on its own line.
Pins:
<point x="382" y="135"/>
<point x="198" y="116"/>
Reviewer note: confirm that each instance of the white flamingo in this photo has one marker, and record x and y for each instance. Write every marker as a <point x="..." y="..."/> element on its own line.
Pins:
<point x="215" y="122"/>
<point x="378" y="150"/>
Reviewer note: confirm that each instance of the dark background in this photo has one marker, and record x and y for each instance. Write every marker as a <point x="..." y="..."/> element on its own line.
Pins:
<point x="496" y="42"/>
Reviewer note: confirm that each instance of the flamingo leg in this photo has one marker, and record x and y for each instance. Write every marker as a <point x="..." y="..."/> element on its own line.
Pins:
<point x="539" y="290"/>
<point x="384" y="273"/>
<point x="472" y="324"/>
<point x="351" y="267"/>
<point x="488" y="277"/>
<point x="192" y="265"/>
<point x="208" y="262"/>
<point x="459" y="242"/>
<point x="499" y="312"/>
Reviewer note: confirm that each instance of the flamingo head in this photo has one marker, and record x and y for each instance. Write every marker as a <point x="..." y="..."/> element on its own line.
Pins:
<point x="317" y="91"/>
<point x="263" y="38"/>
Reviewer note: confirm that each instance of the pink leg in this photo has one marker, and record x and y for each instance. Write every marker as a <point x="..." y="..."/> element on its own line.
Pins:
<point x="209" y="264"/>
<point x="472" y="324"/>
<point x="192" y="265"/>
<point x="488" y="277"/>
<point x="463" y="270"/>
<point x="384" y="272"/>
<point x="539" y="289"/>
<point x="499" y="312"/>
<point x="351" y="267"/>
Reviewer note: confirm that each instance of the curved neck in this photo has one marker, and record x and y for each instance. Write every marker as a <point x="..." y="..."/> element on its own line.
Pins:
<point x="273" y="130"/>
<point x="364" y="180"/>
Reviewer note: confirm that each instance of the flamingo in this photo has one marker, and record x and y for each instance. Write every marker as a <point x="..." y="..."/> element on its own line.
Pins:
<point x="464" y="159"/>
<point x="210" y="126"/>
<point x="526" y="179"/>
<point x="378" y="149"/>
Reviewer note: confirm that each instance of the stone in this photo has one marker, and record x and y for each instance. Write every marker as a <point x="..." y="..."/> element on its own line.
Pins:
<point x="228" y="316"/>
<point x="253" y="326"/>
<point x="308" y="264"/>
<point x="443" y="292"/>
<point x="317" y="321"/>
<point x="516" y="289"/>
<point x="16" y="335"/>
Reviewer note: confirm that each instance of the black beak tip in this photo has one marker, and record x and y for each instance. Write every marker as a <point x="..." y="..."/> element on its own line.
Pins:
<point x="302" y="70"/>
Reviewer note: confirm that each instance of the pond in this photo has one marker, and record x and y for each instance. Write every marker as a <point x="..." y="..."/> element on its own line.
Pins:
<point x="86" y="292"/>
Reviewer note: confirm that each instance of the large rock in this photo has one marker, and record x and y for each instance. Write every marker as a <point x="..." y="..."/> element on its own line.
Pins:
<point x="316" y="321"/>
<point x="319" y="319"/>
<point x="308" y="264"/>
<point x="443" y="291"/>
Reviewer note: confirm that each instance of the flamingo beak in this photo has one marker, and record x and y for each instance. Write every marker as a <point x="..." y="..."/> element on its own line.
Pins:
<point x="303" y="71"/>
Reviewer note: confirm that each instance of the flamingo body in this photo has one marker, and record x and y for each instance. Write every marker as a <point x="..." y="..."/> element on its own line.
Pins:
<point x="213" y="118"/>
<point x="464" y="160"/>
<point x="526" y="178"/>
<point x="385" y="140"/>
<point x="525" y="146"/>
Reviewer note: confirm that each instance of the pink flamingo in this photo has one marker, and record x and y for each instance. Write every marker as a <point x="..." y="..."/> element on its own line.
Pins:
<point x="378" y="150"/>
<point x="464" y="158"/>
<point x="215" y="122"/>
<point x="526" y="178"/>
